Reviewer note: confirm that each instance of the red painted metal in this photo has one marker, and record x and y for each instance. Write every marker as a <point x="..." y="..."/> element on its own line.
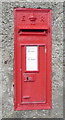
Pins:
<point x="32" y="89"/>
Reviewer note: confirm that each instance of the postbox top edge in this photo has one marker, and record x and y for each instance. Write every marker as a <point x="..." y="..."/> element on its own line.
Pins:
<point x="34" y="9"/>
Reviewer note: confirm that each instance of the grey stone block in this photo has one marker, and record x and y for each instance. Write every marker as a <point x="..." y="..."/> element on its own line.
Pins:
<point x="8" y="56"/>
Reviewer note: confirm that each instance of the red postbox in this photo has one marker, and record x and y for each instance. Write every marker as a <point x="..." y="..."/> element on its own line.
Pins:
<point x="32" y="59"/>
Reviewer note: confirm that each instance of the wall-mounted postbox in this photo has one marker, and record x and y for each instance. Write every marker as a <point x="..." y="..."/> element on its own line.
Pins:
<point x="32" y="59"/>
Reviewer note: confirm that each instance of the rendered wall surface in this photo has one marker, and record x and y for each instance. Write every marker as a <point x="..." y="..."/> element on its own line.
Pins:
<point x="8" y="57"/>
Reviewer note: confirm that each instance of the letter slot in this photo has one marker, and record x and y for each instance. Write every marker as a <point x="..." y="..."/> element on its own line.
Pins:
<point x="33" y="31"/>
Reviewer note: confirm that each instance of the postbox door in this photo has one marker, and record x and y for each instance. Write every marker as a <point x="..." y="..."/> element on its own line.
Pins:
<point x="33" y="74"/>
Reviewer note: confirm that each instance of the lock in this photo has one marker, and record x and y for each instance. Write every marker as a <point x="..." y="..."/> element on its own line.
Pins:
<point x="32" y="59"/>
<point x="29" y="77"/>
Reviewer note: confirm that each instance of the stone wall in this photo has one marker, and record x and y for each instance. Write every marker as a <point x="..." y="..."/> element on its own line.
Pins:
<point x="64" y="59"/>
<point x="8" y="57"/>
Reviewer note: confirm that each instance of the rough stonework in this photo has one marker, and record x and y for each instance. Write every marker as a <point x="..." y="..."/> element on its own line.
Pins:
<point x="8" y="57"/>
<point x="64" y="59"/>
<point x="0" y="60"/>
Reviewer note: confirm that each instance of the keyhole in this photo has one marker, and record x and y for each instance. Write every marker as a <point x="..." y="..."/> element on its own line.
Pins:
<point x="27" y="78"/>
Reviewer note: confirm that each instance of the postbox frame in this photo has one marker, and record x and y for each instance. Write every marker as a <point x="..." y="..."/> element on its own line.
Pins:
<point x="17" y="50"/>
